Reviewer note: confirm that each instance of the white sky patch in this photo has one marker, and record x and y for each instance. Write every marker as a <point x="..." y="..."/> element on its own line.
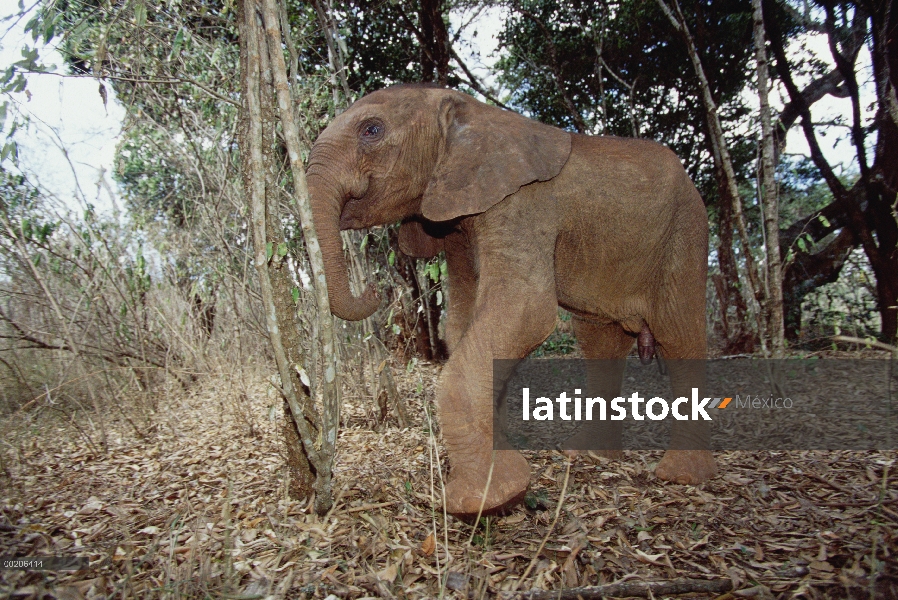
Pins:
<point x="479" y="42"/>
<point x="70" y="142"/>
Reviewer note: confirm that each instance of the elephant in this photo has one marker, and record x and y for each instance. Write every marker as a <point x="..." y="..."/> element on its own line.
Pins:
<point x="530" y="217"/>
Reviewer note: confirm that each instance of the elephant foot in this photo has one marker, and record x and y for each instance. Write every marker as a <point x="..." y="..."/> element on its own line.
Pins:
<point x="690" y="467"/>
<point x="464" y="493"/>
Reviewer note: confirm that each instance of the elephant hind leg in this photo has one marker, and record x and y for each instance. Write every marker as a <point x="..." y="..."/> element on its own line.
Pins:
<point x="606" y="346"/>
<point x="681" y="342"/>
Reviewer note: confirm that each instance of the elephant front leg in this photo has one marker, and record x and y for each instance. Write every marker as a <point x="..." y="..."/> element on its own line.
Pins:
<point x="462" y="267"/>
<point x="509" y="322"/>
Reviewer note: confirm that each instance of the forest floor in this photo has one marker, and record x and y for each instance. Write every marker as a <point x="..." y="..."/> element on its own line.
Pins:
<point x="189" y="501"/>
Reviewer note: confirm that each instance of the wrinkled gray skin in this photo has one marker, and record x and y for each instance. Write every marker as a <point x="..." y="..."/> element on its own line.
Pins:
<point x="530" y="217"/>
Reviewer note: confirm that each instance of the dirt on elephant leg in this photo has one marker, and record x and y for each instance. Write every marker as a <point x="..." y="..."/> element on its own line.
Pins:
<point x="507" y="486"/>
<point x="689" y="467"/>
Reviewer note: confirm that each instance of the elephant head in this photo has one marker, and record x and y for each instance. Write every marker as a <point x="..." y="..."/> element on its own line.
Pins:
<point x="419" y="155"/>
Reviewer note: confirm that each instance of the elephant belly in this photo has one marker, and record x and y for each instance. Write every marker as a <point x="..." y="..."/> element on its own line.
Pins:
<point x="602" y="281"/>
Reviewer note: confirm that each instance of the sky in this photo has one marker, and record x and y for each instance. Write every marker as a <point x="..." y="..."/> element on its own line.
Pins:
<point x="70" y="142"/>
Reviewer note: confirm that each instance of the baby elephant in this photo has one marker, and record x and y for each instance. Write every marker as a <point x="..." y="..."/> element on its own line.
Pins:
<point x="531" y="218"/>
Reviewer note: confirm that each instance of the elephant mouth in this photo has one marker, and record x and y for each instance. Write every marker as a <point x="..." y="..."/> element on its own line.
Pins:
<point x="351" y="217"/>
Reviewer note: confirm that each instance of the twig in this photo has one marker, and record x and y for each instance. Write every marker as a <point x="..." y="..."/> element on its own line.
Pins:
<point x="876" y="502"/>
<point x="144" y="81"/>
<point x="645" y="589"/>
<point x="369" y="506"/>
<point x="832" y="484"/>
<point x="489" y="479"/>
<point x="874" y="343"/>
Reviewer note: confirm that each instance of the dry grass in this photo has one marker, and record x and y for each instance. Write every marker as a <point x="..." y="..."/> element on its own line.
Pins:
<point x="197" y="509"/>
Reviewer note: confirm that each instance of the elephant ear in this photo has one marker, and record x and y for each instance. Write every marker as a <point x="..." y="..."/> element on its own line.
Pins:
<point x="488" y="154"/>
<point x="414" y="241"/>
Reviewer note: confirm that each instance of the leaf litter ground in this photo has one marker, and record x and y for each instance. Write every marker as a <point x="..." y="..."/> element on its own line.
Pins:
<point x="197" y="508"/>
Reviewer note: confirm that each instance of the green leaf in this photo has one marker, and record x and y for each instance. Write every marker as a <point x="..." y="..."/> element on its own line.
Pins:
<point x="364" y="243"/>
<point x="395" y="329"/>
<point x="176" y="45"/>
<point x="269" y="250"/>
<point x="439" y="298"/>
<point x="802" y="245"/>
<point x="294" y="292"/>
<point x="823" y="220"/>
<point x="282" y="250"/>
<point x="7" y="151"/>
<point x="392" y="258"/>
<point x="140" y="14"/>
<point x="50" y="28"/>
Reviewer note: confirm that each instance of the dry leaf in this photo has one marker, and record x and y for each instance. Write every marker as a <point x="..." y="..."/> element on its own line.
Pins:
<point x="429" y="545"/>
<point x="389" y="573"/>
<point x="819" y="565"/>
<point x="514" y="519"/>
<point x="652" y="559"/>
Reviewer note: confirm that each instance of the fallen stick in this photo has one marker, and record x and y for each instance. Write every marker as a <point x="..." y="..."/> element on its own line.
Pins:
<point x="369" y="506"/>
<point x="644" y="589"/>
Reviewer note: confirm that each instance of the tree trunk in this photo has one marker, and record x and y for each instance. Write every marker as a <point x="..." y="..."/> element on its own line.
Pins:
<point x="435" y="42"/>
<point x="735" y="332"/>
<point x="769" y="196"/>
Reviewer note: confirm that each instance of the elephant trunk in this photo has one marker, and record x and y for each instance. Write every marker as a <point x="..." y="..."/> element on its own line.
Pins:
<point x="327" y="205"/>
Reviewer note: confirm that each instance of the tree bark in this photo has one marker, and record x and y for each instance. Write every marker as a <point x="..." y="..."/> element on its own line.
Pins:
<point x="325" y="446"/>
<point x="434" y="42"/>
<point x="768" y="195"/>
<point x="737" y="336"/>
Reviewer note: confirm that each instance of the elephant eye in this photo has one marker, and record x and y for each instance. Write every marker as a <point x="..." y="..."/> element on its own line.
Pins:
<point x="372" y="131"/>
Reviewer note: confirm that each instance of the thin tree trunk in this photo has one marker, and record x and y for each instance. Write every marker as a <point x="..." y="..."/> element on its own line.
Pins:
<point x="335" y="59"/>
<point x="769" y="196"/>
<point x="737" y="335"/>
<point x="330" y="386"/>
<point x="254" y="184"/>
